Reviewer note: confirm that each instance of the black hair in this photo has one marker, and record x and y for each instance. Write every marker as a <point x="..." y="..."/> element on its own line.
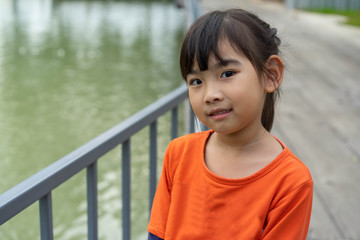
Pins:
<point x="246" y="33"/>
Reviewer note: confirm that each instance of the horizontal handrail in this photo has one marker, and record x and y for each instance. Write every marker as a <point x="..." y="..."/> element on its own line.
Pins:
<point x="37" y="186"/>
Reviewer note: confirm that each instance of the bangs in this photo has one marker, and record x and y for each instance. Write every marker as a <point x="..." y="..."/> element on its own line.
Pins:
<point x="202" y="40"/>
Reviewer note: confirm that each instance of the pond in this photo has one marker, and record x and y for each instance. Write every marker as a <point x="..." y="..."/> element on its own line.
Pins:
<point x="70" y="70"/>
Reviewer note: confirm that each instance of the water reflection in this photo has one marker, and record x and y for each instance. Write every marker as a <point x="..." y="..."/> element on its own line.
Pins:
<point x="70" y="70"/>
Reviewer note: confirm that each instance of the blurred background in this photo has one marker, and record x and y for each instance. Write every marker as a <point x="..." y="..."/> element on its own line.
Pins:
<point x="70" y="70"/>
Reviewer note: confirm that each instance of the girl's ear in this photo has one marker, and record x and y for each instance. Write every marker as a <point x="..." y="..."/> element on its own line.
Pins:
<point x="275" y="73"/>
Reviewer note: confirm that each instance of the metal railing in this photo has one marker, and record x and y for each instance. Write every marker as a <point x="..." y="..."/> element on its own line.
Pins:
<point x="39" y="186"/>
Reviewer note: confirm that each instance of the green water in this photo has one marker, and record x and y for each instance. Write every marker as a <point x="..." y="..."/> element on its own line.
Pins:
<point x="70" y="70"/>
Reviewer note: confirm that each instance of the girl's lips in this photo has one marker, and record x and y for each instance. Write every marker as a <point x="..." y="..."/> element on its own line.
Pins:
<point x="220" y="113"/>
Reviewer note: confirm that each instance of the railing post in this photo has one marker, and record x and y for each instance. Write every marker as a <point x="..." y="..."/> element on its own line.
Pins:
<point x="126" y="178"/>
<point x="153" y="163"/>
<point x="92" y="206"/>
<point x="192" y="120"/>
<point x="174" y="122"/>
<point x="46" y="218"/>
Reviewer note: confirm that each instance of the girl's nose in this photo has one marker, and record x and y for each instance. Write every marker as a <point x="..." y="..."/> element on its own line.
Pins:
<point x="213" y="94"/>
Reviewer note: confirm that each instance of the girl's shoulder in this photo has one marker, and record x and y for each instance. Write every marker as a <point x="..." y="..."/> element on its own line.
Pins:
<point x="184" y="149"/>
<point x="296" y="168"/>
<point x="290" y="170"/>
<point x="287" y="157"/>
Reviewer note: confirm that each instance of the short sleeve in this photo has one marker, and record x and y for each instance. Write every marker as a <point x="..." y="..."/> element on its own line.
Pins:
<point x="290" y="217"/>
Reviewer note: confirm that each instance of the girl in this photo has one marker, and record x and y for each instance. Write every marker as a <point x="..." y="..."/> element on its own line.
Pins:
<point x="235" y="181"/>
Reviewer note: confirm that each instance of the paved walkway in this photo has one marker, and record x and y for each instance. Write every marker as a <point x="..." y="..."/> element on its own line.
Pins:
<point x="319" y="113"/>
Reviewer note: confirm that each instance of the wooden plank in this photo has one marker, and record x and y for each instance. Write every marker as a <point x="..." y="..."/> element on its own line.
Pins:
<point x="334" y="90"/>
<point x="322" y="225"/>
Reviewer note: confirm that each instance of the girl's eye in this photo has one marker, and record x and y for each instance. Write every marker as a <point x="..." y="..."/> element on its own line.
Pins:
<point x="195" y="82"/>
<point x="227" y="74"/>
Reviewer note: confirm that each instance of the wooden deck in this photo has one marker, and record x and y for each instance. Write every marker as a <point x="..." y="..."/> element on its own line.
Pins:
<point x="319" y="113"/>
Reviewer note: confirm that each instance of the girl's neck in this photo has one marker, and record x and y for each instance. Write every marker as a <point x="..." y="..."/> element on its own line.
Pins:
<point x="242" y="141"/>
<point x="240" y="155"/>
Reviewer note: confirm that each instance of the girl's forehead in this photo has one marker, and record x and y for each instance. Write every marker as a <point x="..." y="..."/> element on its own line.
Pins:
<point x="224" y="52"/>
<point x="225" y="48"/>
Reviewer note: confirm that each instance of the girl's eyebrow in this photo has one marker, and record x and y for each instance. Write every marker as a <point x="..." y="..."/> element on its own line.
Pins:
<point x="227" y="62"/>
<point x="221" y="63"/>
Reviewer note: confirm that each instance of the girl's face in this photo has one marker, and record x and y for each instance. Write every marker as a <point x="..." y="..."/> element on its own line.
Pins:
<point x="227" y="98"/>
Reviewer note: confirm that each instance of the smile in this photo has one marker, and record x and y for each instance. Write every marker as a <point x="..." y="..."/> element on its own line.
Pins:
<point x="220" y="113"/>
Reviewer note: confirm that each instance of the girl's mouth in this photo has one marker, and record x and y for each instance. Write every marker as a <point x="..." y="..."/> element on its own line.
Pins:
<point x="220" y="113"/>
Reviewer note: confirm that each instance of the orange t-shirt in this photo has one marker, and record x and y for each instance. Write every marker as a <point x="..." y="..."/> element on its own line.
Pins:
<point x="193" y="203"/>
